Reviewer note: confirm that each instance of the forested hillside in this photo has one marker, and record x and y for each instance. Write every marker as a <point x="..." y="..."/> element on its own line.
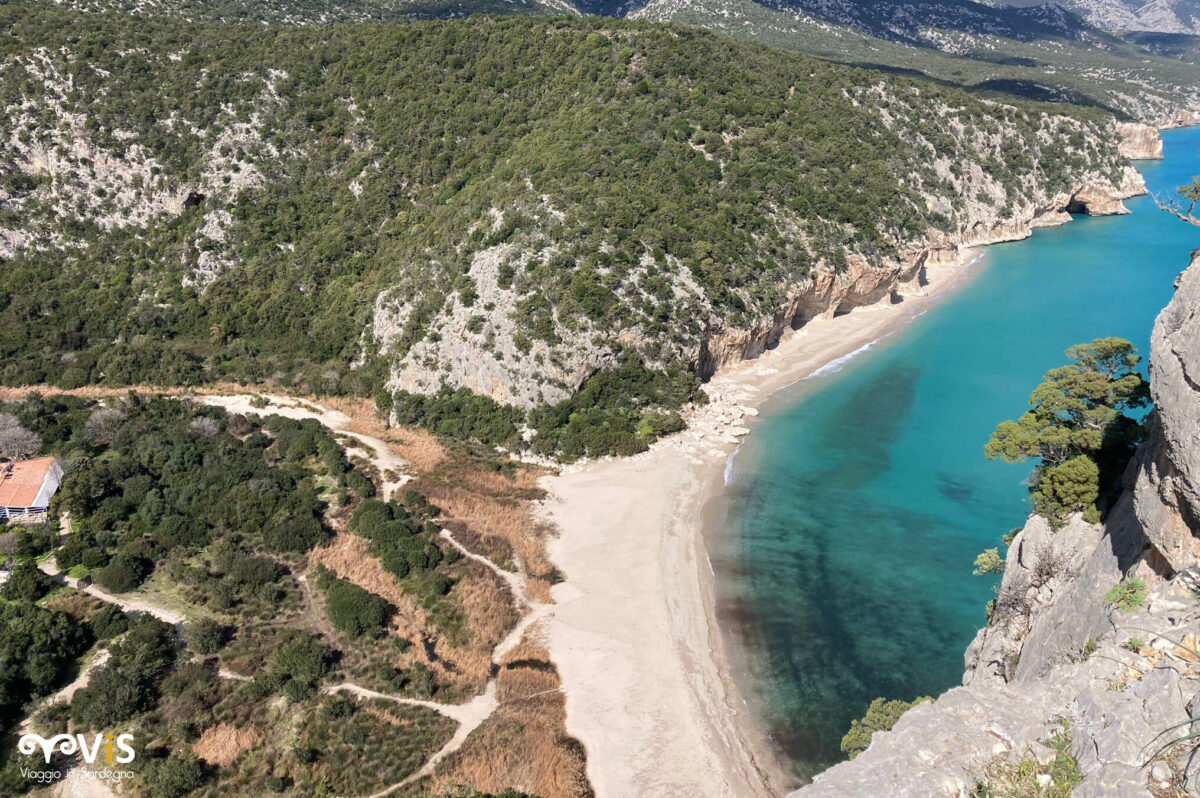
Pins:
<point x="501" y="204"/>
<point x="319" y="12"/>
<point x="249" y="597"/>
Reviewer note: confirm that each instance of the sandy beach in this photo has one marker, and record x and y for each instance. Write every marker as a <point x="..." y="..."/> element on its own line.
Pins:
<point x="648" y="687"/>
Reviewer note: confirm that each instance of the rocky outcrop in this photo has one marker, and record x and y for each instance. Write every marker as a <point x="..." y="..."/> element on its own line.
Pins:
<point x="1139" y="141"/>
<point x="1114" y="701"/>
<point x="1056" y="653"/>
<point x="1165" y="496"/>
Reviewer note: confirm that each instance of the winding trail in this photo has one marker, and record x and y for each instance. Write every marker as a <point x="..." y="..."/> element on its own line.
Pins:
<point x="133" y="604"/>
<point x="469" y="716"/>
<point x="381" y="455"/>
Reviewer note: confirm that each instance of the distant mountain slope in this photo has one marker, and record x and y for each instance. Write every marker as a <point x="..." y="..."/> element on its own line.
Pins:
<point x="1183" y="46"/>
<point x="1044" y="54"/>
<point x="1162" y="16"/>
<point x="911" y="21"/>
<point x="313" y="12"/>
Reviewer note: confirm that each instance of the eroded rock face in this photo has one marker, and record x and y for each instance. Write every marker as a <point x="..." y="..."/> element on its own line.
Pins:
<point x="1139" y="140"/>
<point x="1113" y="700"/>
<point x="1051" y="600"/>
<point x="827" y="293"/>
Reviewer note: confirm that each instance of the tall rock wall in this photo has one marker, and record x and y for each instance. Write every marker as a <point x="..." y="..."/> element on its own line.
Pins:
<point x="1166" y="487"/>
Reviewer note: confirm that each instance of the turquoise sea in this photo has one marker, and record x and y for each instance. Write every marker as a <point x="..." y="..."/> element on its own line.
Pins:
<point x="857" y="506"/>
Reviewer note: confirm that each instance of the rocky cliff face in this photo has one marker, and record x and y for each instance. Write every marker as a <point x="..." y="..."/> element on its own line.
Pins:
<point x="1139" y="140"/>
<point x="1165" y="497"/>
<point x="1160" y="16"/>
<point x="826" y="293"/>
<point x="1056" y="652"/>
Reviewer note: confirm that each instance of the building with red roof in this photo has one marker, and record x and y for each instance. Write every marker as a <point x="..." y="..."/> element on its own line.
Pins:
<point x="26" y="487"/>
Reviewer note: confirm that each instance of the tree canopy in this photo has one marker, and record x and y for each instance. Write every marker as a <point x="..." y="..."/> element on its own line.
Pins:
<point x="1078" y="427"/>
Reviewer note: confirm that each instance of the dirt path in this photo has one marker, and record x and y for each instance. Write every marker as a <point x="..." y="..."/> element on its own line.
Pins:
<point x="469" y="716"/>
<point x="380" y="454"/>
<point x="134" y="604"/>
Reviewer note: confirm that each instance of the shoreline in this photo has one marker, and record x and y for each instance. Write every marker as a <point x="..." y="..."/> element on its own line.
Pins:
<point x="646" y="669"/>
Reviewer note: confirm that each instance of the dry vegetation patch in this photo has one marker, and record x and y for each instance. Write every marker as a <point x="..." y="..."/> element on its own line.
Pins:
<point x="493" y="508"/>
<point x="222" y="744"/>
<point x="524" y="743"/>
<point x="479" y="613"/>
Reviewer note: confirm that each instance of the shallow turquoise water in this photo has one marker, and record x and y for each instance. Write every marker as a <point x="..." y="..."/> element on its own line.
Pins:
<point x="858" y="505"/>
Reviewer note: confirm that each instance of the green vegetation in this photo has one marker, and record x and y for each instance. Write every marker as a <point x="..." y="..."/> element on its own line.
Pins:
<point x="128" y="684"/>
<point x="311" y="12"/>
<point x="205" y="636"/>
<point x="108" y="622"/>
<point x="1128" y="594"/>
<point x="640" y="185"/>
<point x="221" y="510"/>
<point x="619" y="411"/>
<point x="355" y="748"/>
<point x="1129" y="75"/>
<point x="460" y="414"/>
<point x="350" y="608"/>
<point x="218" y="502"/>
<point x="402" y="541"/>
<point x="989" y="562"/>
<point x="881" y="715"/>
<point x="27" y="582"/>
<point x="1006" y="779"/>
<point x="37" y="650"/>
<point x="1078" y="429"/>
<point x="297" y="666"/>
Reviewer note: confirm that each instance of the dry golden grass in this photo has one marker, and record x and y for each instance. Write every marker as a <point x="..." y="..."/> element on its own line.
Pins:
<point x="491" y="507"/>
<point x="419" y="447"/>
<point x="481" y="595"/>
<point x="523" y="744"/>
<point x="222" y="744"/>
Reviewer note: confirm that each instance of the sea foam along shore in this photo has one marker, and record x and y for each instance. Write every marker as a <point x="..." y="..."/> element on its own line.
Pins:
<point x="648" y="688"/>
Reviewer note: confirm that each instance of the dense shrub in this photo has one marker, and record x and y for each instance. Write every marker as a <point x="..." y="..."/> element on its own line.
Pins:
<point x="882" y="715"/>
<point x="398" y="538"/>
<point x="172" y="776"/>
<point x="352" y="609"/>
<point x="205" y="636"/>
<point x="128" y="683"/>
<point x="298" y="665"/>
<point x="124" y="573"/>
<point x="109" y="621"/>
<point x="37" y="649"/>
<point x="27" y="582"/>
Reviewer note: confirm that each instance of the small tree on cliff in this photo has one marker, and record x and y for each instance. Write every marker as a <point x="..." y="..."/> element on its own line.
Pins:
<point x="1077" y="428"/>
<point x="1184" y="206"/>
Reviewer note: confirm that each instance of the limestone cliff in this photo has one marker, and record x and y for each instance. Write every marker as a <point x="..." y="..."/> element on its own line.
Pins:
<point x="1055" y="650"/>
<point x="1139" y="140"/>
<point x="827" y="293"/>
<point x="1165" y="497"/>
